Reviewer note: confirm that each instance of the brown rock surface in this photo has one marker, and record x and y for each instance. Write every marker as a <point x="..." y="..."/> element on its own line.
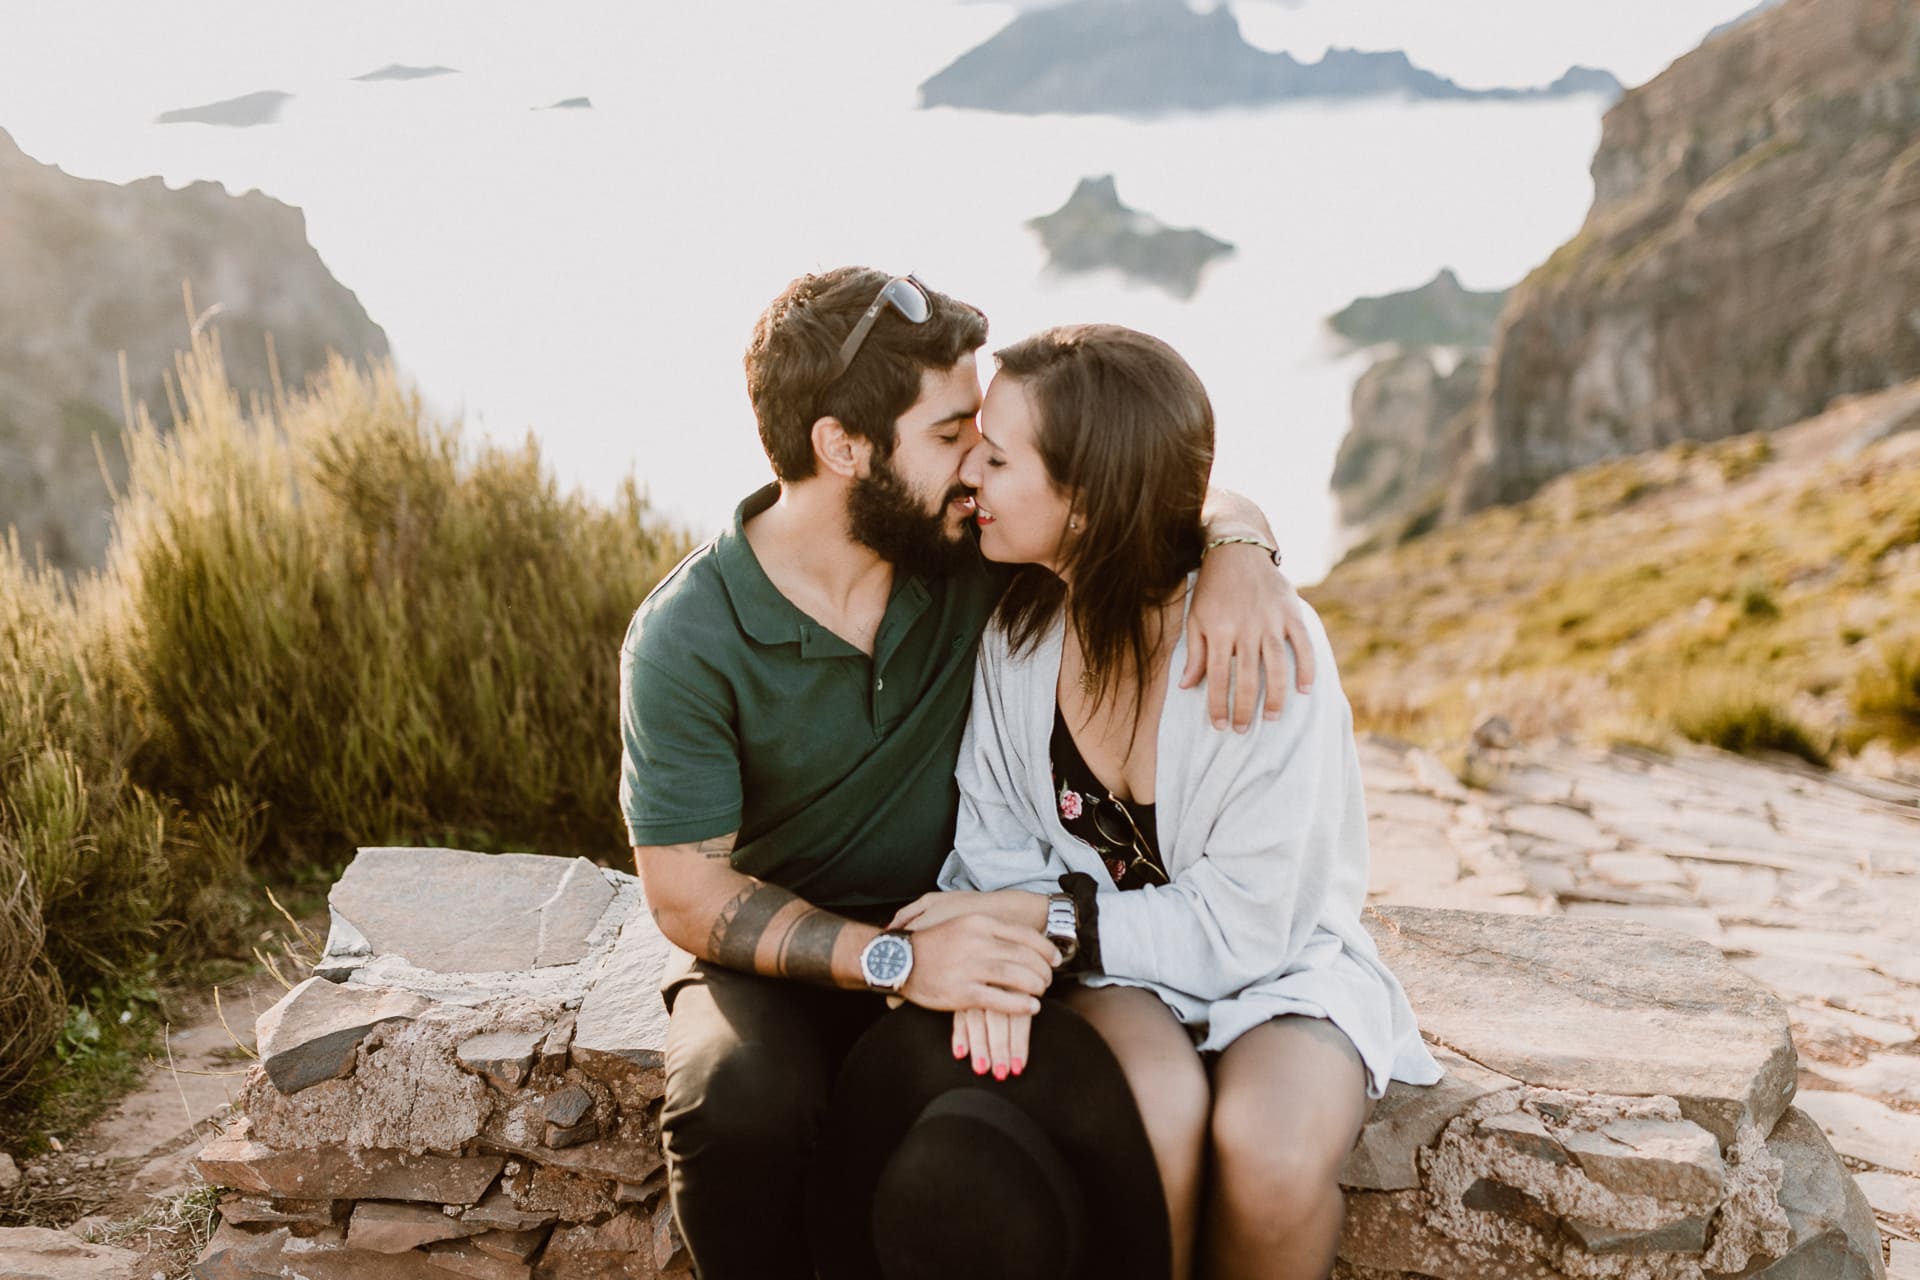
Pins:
<point x="450" y="911"/>
<point x="335" y="1173"/>
<point x="1834" y="1237"/>
<point x="382" y="1226"/>
<point x="37" y="1253"/>
<point x="94" y="269"/>
<point x="1615" y="1009"/>
<point x="313" y="1033"/>
<point x="504" y="1057"/>
<point x="621" y="1032"/>
<point x="1410" y="1117"/>
<point x="1752" y="252"/>
<point x="1673" y="1159"/>
<point x="277" y="1254"/>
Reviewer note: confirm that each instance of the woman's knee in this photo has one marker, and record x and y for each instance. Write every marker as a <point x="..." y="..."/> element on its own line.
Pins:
<point x="1174" y="1097"/>
<point x="1284" y="1117"/>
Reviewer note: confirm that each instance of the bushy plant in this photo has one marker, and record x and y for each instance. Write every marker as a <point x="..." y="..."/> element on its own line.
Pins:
<point x="1745" y="721"/>
<point x="1886" y="694"/>
<point x="325" y="621"/>
<point x="370" y="632"/>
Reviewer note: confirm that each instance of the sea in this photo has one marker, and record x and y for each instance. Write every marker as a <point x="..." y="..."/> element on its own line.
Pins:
<point x="589" y="276"/>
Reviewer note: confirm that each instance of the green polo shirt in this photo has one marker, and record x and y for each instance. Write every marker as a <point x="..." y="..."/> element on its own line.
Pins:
<point x="741" y="713"/>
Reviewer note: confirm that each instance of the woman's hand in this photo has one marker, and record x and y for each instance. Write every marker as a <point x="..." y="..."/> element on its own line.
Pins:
<point x="997" y="1042"/>
<point x="1014" y="906"/>
<point x="1243" y="611"/>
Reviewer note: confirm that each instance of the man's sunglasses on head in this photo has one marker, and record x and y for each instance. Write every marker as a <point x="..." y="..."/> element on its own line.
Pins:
<point x="906" y="296"/>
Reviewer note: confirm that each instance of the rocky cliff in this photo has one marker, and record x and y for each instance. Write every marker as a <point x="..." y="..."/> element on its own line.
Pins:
<point x="1140" y="57"/>
<point x="93" y="269"/>
<point x="1753" y="252"/>
<point x="1411" y="428"/>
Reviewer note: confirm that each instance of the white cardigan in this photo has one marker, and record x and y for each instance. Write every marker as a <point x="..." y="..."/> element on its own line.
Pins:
<point x="1264" y="836"/>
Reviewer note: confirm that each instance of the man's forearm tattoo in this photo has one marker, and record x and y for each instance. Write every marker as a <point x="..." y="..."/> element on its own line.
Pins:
<point x="806" y="949"/>
<point x="737" y="930"/>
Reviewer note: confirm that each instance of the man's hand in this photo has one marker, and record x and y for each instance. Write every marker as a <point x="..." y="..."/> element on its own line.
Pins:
<point x="978" y="962"/>
<point x="997" y="1042"/>
<point x="1243" y="610"/>
<point x="1015" y="906"/>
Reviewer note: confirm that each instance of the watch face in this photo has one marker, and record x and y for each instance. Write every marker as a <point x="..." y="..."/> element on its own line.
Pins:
<point x="886" y="961"/>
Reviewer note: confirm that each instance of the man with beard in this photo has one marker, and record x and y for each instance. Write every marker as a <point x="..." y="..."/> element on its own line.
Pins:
<point x="793" y="698"/>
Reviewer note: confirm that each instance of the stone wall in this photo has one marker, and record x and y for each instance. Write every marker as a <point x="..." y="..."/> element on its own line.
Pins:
<point x="470" y="1085"/>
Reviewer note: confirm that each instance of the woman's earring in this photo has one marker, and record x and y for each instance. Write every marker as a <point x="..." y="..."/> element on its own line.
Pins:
<point x="1073" y="524"/>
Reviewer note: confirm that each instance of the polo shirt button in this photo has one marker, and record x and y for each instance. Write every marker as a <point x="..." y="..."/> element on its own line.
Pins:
<point x="879" y="684"/>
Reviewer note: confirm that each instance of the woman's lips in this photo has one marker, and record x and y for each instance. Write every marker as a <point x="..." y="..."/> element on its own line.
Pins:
<point x="982" y="516"/>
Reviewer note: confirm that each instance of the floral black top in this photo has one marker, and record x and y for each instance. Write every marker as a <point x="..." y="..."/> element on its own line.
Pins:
<point x="1132" y="858"/>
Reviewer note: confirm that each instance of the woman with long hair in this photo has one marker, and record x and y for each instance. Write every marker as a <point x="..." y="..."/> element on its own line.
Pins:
<point x="1207" y="885"/>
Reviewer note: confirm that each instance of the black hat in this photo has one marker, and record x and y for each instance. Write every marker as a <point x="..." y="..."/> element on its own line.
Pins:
<point x="925" y="1170"/>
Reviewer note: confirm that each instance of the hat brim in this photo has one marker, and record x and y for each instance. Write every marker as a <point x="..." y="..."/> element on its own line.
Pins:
<point x="1072" y="1089"/>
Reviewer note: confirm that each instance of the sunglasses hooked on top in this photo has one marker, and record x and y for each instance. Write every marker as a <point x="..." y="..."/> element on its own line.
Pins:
<point x="906" y="296"/>
<point x="1114" y="821"/>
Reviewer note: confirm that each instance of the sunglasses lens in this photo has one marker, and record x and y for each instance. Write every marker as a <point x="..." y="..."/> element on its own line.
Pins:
<point x="907" y="299"/>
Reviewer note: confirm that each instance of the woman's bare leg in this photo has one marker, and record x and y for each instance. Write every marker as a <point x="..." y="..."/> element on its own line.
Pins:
<point x="1170" y="1087"/>
<point x="1289" y="1098"/>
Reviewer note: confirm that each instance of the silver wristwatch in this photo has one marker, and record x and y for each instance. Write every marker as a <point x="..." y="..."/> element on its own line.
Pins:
<point x="1063" y="924"/>
<point x="887" y="960"/>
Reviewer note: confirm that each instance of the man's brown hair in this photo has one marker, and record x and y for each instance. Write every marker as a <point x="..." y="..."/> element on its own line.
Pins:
<point x="797" y="339"/>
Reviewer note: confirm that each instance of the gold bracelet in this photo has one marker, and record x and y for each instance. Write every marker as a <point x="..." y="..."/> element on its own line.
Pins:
<point x="1247" y="540"/>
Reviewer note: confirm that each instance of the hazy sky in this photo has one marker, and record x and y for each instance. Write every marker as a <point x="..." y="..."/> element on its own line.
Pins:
<point x="93" y="51"/>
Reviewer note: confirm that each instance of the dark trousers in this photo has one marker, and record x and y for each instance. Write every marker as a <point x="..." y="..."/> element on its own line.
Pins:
<point x="751" y="1063"/>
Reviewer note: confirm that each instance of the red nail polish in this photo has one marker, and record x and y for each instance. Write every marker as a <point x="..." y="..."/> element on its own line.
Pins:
<point x="959" y="1051"/>
<point x="979" y="1066"/>
<point x="1019" y="1065"/>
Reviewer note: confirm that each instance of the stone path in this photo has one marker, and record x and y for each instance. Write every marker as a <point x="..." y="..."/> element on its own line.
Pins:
<point x="1808" y="883"/>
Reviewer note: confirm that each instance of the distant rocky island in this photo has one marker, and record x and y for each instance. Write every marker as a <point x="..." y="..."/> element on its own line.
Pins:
<point x="397" y="71"/>
<point x="1752" y="255"/>
<point x="1093" y="230"/>
<point x="92" y="270"/>
<point x="568" y="104"/>
<point x="243" y="112"/>
<point x="1440" y="313"/>
<point x="1144" y="57"/>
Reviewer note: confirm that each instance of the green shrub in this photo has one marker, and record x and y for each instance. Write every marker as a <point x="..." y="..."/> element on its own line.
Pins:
<point x="371" y="633"/>
<point x="1886" y="695"/>
<point x="1743" y="721"/>
<point x="323" y="622"/>
<point x="1757" y="602"/>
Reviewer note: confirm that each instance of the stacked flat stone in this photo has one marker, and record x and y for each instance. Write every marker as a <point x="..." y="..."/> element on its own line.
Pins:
<point x="469" y="1085"/>
<point x="1618" y="1104"/>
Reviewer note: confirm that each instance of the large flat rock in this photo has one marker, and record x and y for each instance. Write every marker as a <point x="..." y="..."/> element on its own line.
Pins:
<point x="313" y="1032"/>
<point x="1834" y="1234"/>
<point x="452" y="911"/>
<point x="336" y="1173"/>
<point x="37" y="1253"/>
<point x="1612" y="1008"/>
<point x="621" y="1030"/>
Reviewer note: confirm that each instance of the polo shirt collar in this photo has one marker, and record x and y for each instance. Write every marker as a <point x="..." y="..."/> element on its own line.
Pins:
<point x="771" y="618"/>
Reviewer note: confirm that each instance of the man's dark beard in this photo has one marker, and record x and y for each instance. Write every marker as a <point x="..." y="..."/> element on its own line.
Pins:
<point x="887" y="517"/>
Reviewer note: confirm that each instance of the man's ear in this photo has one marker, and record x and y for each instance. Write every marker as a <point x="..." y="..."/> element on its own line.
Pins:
<point x="838" y="450"/>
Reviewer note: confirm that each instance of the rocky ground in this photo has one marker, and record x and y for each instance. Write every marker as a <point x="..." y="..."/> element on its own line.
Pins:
<point x="1808" y="882"/>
